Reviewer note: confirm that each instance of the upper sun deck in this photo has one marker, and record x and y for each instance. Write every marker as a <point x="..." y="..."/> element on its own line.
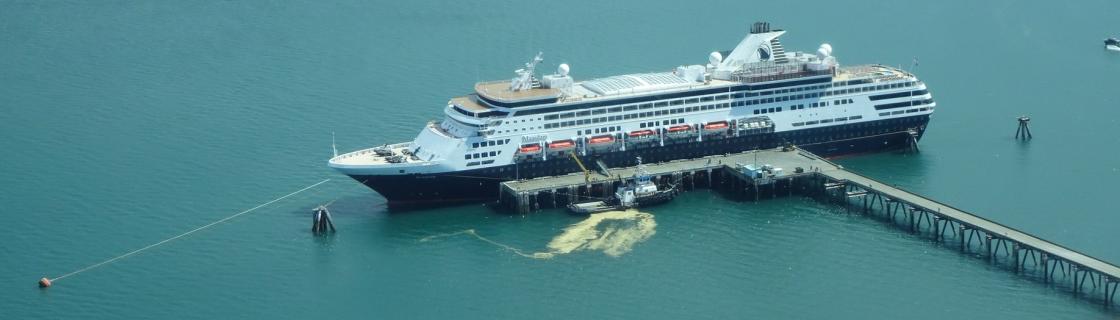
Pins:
<point x="500" y="91"/>
<point x="875" y="72"/>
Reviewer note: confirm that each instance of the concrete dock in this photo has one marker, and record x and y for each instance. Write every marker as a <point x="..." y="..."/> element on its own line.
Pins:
<point x="805" y="174"/>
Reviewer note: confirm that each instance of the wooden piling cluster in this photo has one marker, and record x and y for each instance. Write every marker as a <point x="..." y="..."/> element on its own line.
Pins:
<point x="809" y="175"/>
<point x="321" y="221"/>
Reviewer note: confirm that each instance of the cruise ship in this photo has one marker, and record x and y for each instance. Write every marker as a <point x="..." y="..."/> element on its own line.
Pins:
<point x="755" y="96"/>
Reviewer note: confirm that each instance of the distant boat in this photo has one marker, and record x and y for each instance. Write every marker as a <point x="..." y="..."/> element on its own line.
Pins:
<point x="640" y="192"/>
<point x="1112" y="44"/>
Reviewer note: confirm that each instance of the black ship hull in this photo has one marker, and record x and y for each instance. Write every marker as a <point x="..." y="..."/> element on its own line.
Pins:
<point x="483" y="184"/>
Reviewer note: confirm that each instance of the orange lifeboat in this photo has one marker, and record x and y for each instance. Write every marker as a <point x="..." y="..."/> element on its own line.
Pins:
<point x="561" y="145"/>
<point x="718" y="125"/>
<point x="680" y="128"/>
<point x="530" y="148"/>
<point x="641" y="133"/>
<point x="601" y="140"/>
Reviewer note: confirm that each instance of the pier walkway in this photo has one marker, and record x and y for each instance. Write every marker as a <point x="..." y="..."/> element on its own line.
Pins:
<point x="806" y="174"/>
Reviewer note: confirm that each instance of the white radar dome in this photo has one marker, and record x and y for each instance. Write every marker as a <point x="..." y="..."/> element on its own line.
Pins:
<point x="715" y="58"/>
<point x="825" y="50"/>
<point x="563" y="69"/>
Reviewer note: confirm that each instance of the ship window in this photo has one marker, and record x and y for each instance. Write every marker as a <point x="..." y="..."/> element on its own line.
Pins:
<point x="779" y="109"/>
<point x="493" y="153"/>
<point x="798" y="124"/>
<point x="552" y="117"/>
<point x="567" y="115"/>
<point x="770" y="110"/>
<point x="583" y="113"/>
<point x="492" y="143"/>
<point x="693" y="100"/>
<point x="630" y="107"/>
<point x="599" y="111"/>
<point x="615" y="109"/>
<point x="841" y="119"/>
<point x="467" y="156"/>
<point x="661" y="104"/>
<point x="855" y="117"/>
<point x="642" y="125"/>
<point x="810" y="123"/>
<point x="676" y="102"/>
<point x="738" y="95"/>
<point x="756" y="111"/>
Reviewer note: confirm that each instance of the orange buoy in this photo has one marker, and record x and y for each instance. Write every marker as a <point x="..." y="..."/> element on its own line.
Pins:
<point x="44" y="282"/>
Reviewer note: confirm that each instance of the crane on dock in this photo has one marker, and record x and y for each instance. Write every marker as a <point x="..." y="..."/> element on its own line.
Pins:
<point x="586" y="173"/>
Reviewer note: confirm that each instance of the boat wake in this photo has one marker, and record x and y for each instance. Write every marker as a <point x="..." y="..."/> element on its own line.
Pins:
<point x="613" y="232"/>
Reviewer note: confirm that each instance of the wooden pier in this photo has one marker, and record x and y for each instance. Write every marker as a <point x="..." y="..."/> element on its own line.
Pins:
<point x="806" y="174"/>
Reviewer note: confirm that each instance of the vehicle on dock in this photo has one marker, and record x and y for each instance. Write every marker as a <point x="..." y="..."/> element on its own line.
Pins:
<point x="639" y="192"/>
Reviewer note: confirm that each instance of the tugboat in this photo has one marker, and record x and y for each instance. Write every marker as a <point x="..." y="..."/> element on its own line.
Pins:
<point x="1112" y="44"/>
<point x="640" y="192"/>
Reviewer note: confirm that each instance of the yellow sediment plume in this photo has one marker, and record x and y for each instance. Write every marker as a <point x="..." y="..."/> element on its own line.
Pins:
<point x="613" y="232"/>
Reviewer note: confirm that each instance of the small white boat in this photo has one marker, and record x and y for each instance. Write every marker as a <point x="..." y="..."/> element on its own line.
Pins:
<point x="1112" y="44"/>
<point x="640" y="192"/>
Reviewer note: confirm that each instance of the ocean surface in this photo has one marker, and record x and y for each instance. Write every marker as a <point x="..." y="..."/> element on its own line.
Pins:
<point x="123" y="123"/>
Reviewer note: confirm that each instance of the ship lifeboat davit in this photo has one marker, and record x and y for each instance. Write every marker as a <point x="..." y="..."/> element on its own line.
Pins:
<point x="680" y="128"/>
<point x="529" y="149"/>
<point x="716" y="126"/>
<point x="561" y="145"/>
<point x="641" y="134"/>
<point x="600" y="140"/>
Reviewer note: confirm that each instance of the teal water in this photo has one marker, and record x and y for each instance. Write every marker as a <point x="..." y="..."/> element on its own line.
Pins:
<point x="125" y="123"/>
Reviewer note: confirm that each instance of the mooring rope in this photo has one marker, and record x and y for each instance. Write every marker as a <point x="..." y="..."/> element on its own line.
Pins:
<point x="186" y="233"/>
